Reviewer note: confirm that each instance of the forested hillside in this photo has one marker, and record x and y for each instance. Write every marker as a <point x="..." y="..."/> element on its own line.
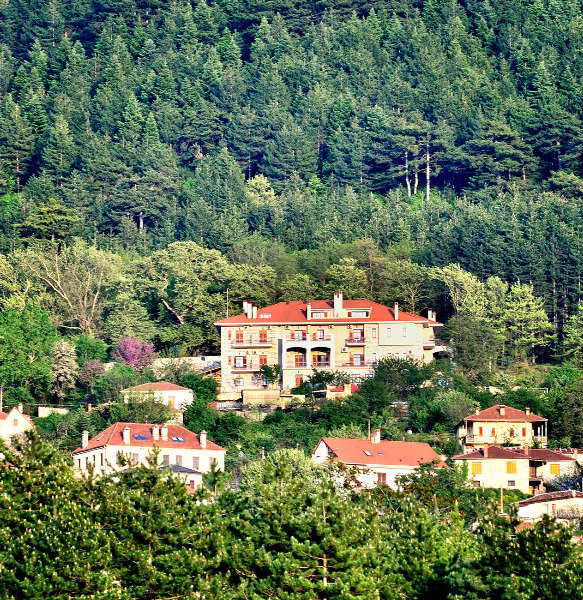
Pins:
<point x="312" y="144"/>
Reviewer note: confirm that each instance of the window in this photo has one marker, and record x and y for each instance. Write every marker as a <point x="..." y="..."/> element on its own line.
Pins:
<point x="102" y="459"/>
<point x="511" y="483"/>
<point x="178" y="460"/>
<point x="240" y="361"/>
<point x="357" y="360"/>
<point x="318" y="315"/>
<point x="382" y="479"/>
<point x="555" y="469"/>
<point x="481" y="431"/>
<point x="374" y="332"/>
<point x="511" y="467"/>
<point x="362" y="314"/>
<point x="238" y="336"/>
<point x="262" y="359"/>
<point x="229" y="360"/>
<point x="319" y="334"/>
<point x="389" y="334"/>
<point x="476" y="468"/>
<point x="263" y="336"/>
<point x="299" y="360"/>
<point x="265" y="316"/>
<point x="524" y="432"/>
<point x="367" y="452"/>
<point x="493" y="432"/>
<point x="299" y="334"/>
<point x="404" y="334"/>
<point x="177" y="439"/>
<point x="512" y="432"/>
<point x="100" y="437"/>
<point x="166" y="460"/>
<point x="135" y="458"/>
<point x="15" y="422"/>
<point x="86" y="462"/>
<point x="140" y="437"/>
<point x="79" y="463"/>
<point x="357" y="334"/>
<point x="212" y="461"/>
<point x="195" y="462"/>
<point x="229" y="334"/>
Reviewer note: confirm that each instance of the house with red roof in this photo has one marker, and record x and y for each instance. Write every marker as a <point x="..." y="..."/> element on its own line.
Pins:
<point x="14" y="423"/>
<point x="525" y="469"/>
<point x="378" y="462"/>
<point x="338" y="334"/>
<point x="565" y="505"/>
<point x="174" y="396"/>
<point x="503" y="426"/>
<point x="184" y="452"/>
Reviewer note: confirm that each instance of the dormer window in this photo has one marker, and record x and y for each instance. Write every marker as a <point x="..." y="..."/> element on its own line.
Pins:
<point x="358" y="314"/>
<point x="319" y="314"/>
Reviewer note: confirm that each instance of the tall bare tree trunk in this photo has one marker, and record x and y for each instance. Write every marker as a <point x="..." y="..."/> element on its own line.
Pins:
<point x="407" y="180"/>
<point x="427" y="174"/>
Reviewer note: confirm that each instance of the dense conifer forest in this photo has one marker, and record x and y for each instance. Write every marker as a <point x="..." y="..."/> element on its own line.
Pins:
<point x="311" y="144"/>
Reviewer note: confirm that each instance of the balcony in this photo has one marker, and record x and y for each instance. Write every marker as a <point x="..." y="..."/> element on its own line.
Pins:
<point x="430" y="343"/>
<point x="305" y="364"/>
<point x="362" y="363"/>
<point x="252" y="341"/>
<point x="248" y="367"/>
<point x="306" y="337"/>
<point x="533" y="474"/>
<point x="353" y="341"/>
<point x="481" y="439"/>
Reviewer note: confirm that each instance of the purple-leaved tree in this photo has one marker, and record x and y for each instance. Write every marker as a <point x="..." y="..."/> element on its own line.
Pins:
<point x="134" y="353"/>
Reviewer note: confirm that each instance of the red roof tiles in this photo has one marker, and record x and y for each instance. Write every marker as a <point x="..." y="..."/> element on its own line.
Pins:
<point x="497" y="452"/>
<point x="157" y="386"/>
<point x="352" y="452"/>
<point x="510" y="414"/>
<point x="296" y="312"/>
<point x="113" y="436"/>
<point x="548" y="497"/>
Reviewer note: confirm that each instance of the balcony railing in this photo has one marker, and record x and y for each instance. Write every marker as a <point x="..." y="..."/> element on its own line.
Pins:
<point x="362" y="363"/>
<point x="248" y="366"/>
<point x="252" y="341"/>
<point x="353" y="341"/>
<point x="307" y="337"/>
<point x="305" y="364"/>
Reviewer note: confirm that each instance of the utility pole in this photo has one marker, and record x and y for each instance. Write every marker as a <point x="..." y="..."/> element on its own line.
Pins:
<point x="227" y="303"/>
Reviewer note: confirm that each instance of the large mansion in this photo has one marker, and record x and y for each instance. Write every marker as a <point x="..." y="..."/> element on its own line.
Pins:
<point x="344" y="335"/>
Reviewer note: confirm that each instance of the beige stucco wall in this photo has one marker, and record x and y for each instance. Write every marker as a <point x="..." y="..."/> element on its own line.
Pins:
<point x="104" y="459"/>
<point x="176" y="399"/>
<point x="502" y="433"/>
<point x="399" y="340"/>
<point x="552" y="507"/>
<point x="15" y="424"/>
<point x="495" y="473"/>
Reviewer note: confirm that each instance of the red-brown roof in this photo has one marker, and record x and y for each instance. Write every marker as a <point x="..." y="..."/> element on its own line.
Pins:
<point x="3" y="416"/>
<point x="497" y="452"/>
<point x="296" y="312"/>
<point x="342" y="388"/>
<point x="510" y="414"/>
<point x="157" y="386"/>
<point x="113" y="436"/>
<point x="550" y="496"/>
<point x="352" y="452"/>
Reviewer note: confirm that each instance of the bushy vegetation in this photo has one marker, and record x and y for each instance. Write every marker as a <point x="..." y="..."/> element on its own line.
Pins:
<point x="289" y="532"/>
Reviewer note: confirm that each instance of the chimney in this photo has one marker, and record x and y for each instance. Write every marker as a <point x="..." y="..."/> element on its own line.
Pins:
<point x="156" y="432"/>
<point x="575" y="453"/>
<point x="526" y="450"/>
<point x="375" y="438"/>
<point x="308" y="311"/>
<point x="527" y="410"/>
<point x="486" y="447"/>
<point x="502" y="411"/>
<point x="20" y="408"/>
<point x="337" y="303"/>
<point x="396" y="310"/>
<point x="477" y="410"/>
<point x="164" y="433"/>
<point x="126" y="435"/>
<point x="254" y="309"/>
<point x="245" y="306"/>
<point x="202" y="438"/>
<point x="89" y="407"/>
<point x="85" y="439"/>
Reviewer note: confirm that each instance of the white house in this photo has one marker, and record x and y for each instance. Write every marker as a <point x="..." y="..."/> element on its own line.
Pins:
<point x="566" y="506"/>
<point x="174" y="396"/>
<point x="14" y="424"/>
<point x="187" y="453"/>
<point x="382" y="461"/>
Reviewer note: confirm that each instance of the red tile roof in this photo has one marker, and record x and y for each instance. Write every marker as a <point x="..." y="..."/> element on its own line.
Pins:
<point x="497" y="452"/>
<point x="511" y="414"/>
<point x="296" y="312"/>
<point x="494" y="452"/>
<point x="113" y="436"/>
<point x="352" y="452"/>
<point x="341" y="388"/>
<point x="548" y="497"/>
<point x="157" y="386"/>
<point x="3" y="416"/>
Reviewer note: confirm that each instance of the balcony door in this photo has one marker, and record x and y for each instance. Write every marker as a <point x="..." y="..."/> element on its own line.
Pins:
<point x="298" y="334"/>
